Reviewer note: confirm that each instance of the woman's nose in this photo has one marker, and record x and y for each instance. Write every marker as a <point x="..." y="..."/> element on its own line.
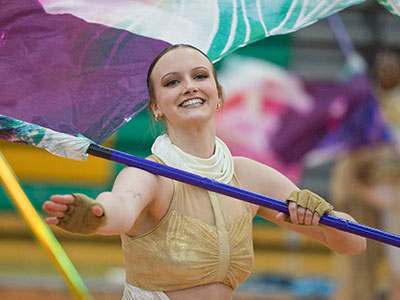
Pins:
<point x="190" y="87"/>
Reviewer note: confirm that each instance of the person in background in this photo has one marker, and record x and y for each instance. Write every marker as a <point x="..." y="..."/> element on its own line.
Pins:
<point x="352" y="190"/>
<point x="181" y="241"/>
<point x="365" y="184"/>
<point x="387" y="81"/>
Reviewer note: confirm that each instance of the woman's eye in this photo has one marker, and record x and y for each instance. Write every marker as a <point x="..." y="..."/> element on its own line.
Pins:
<point x="201" y="76"/>
<point x="171" y="82"/>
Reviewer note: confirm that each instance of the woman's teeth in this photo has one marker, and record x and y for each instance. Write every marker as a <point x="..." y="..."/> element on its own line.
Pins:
<point x="192" y="102"/>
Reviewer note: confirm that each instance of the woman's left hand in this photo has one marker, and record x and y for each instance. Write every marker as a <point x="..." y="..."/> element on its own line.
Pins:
<point x="299" y="215"/>
<point x="305" y="208"/>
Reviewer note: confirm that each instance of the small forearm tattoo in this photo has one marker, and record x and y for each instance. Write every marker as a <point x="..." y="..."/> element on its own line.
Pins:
<point x="134" y="195"/>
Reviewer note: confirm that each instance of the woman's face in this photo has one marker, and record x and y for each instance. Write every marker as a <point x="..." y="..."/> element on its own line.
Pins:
<point x="184" y="87"/>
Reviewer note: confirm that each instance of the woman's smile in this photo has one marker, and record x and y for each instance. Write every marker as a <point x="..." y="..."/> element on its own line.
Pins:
<point x="192" y="103"/>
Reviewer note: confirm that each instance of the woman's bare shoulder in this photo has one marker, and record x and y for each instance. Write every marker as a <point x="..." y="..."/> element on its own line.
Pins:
<point x="249" y="168"/>
<point x="261" y="178"/>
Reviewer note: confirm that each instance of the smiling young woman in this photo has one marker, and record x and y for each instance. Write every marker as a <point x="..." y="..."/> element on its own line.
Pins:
<point x="186" y="95"/>
<point x="181" y="241"/>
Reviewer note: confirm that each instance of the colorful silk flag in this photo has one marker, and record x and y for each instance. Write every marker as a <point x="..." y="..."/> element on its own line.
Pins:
<point x="79" y="66"/>
<point x="62" y="73"/>
<point x="392" y="5"/>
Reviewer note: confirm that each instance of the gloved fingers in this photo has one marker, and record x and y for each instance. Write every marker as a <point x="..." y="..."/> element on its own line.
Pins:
<point x="55" y="209"/>
<point x="301" y="216"/>
<point x="83" y="216"/>
<point x="301" y="213"/>
<point x="282" y="217"/>
<point x="312" y="205"/>
<point x="305" y="200"/>
<point x="52" y="221"/>
<point x="311" y="201"/>
<point x="50" y="205"/>
<point x="62" y="199"/>
<point x="97" y="211"/>
<point x="56" y="213"/>
<point x="308" y="217"/>
<point x="315" y="219"/>
<point x="292" y="206"/>
<point x="324" y="208"/>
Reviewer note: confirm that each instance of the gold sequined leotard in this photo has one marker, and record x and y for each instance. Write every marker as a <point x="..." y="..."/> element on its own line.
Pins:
<point x="204" y="238"/>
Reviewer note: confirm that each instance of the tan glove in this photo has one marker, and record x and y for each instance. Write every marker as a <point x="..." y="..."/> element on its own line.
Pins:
<point x="310" y="201"/>
<point x="79" y="217"/>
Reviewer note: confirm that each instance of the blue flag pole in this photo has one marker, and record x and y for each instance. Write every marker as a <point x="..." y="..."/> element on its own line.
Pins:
<point x="228" y="190"/>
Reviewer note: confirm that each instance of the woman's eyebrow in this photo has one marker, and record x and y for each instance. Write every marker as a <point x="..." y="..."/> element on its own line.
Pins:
<point x="195" y="68"/>
<point x="200" y="67"/>
<point x="169" y="73"/>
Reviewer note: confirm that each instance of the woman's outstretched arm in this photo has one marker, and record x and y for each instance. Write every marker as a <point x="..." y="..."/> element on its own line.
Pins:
<point x="133" y="192"/>
<point x="264" y="180"/>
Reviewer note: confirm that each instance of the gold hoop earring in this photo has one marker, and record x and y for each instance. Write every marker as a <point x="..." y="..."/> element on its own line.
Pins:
<point x="219" y="106"/>
<point x="158" y="117"/>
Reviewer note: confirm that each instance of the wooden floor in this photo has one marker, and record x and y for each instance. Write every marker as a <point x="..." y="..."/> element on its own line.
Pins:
<point x="26" y="272"/>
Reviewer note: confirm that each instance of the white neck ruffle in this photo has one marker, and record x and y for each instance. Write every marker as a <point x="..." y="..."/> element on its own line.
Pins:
<point x="218" y="167"/>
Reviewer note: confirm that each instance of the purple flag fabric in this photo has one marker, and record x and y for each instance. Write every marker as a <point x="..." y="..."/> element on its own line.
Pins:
<point x="286" y="122"/>
<point x="345" y="116"/>
<point x="61" y="72"/>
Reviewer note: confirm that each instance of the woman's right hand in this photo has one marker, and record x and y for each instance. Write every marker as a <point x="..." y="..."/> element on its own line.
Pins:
<point x="59" y="204"/>
<point x="56" y="207"/>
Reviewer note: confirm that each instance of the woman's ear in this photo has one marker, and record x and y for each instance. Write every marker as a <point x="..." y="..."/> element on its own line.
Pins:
<point x="154" y="107"/>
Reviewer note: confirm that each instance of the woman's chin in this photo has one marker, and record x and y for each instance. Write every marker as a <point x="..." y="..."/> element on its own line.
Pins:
<point x="193" y="120"/>
<point x="197" y="115"/>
